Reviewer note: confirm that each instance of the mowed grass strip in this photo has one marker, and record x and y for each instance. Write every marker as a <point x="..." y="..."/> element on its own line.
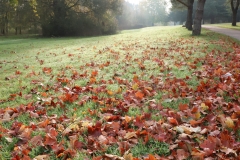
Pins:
<point x="226" y="25"/>
<point x="140" y="64"/>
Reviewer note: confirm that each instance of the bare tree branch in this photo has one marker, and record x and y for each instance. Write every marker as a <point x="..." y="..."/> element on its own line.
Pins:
<point x="185" y="4"/>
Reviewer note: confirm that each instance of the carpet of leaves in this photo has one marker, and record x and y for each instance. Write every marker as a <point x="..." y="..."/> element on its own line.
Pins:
<point x="206" y="127"/>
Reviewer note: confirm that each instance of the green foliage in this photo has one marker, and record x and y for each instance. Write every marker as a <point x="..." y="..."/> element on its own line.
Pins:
<point x="151" y="147"/>
<point x="216" y="11"/>
<point x="6" y="146"/>
<point x="113" y="149"/>
<point x="79" y="17"/>
<point x="39" y="150"/>
<point x="172" y="103"/>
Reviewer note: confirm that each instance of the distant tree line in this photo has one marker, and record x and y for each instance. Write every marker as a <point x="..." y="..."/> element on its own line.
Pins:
<point x="78" y="17"/>
<point x="211" y="11"/>
<point x="60" y="17"/>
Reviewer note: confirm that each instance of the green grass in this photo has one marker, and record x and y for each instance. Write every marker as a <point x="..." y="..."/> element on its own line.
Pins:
<point x="227" y="25"/>
<point x="151" y="147"/>
<point x="72" y="62"/>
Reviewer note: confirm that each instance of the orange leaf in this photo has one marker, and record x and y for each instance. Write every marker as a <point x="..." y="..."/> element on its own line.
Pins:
<point x="18" y="72"/>
<point x="44" y="123"/>
<point x="135" y="78"/>
<point x="110" y="93"/>
<point x="44" y="94"/>
<point x="47" y="70"/>
<point x="150" y="157"/>
<point x="172" y="121"/>
<point x="139" y="94"/>
<point x="92" y="80"/>
<point x="183" y="107"/>
<point x="94" y="73"/>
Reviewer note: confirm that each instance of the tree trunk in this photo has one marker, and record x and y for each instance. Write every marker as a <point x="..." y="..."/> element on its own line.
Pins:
<point x="234" y="12"/>
<point x="234" y="19"/>
<point x="189" y="22"/>
<point x="198" y="18"/>
<point x="6" y="23"/>
<point x="20" y="30"/>
<point x="16" y="31"/>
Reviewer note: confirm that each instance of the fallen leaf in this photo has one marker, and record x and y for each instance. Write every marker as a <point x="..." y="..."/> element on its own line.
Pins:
<point x="229" y="123"/>
<point x="172" y="121"/>
<point x="130" y="135"/>
<point x="139" y="94"/>
<point x="42" y="157"/>
<point x="182" y="154"/>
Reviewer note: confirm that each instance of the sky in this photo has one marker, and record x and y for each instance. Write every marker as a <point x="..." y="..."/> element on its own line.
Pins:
<point x="134" y="1"/>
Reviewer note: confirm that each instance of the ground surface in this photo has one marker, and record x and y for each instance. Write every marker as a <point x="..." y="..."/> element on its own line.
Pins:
<point x="152" y="93"/>
<point x="227" y="31"/>
<point x="226" y="25"/>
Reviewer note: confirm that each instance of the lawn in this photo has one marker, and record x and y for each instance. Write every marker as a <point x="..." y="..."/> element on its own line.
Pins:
<point x="227" y="25"/>
<point x="148" y="94"/>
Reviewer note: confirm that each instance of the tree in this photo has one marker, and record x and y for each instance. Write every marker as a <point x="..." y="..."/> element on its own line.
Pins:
<point x="78" y="17"/>
<point x="189" y="22"/>
<point x="178" y="16"/>
<point x="25" y="15"/>
<point x="216" y="11"/>
<point x="7" y="8"/>
<point x="155" y="10"/>
<point x="189" y="5"/>
<point x="234" y="7"/>
<point x="197" y="25"/>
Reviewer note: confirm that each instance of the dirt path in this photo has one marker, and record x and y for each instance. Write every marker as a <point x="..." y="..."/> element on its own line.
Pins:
<point x="230" y="32"/>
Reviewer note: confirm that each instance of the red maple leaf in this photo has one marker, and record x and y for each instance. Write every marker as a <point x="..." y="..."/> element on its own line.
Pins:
<point x="211" y="143"/>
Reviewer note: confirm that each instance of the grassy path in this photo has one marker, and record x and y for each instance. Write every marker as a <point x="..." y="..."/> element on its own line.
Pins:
<point x="141" y="94"/>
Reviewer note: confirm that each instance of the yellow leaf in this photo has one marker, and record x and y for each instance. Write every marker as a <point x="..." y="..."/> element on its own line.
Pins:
<point x="135" y="86"/>
<point x="197" y="115"/>
<point x="204" y="107"/>
<point x="128" y="156"/>
<point x="229" y="122"/>
<point x="110" y="93"/>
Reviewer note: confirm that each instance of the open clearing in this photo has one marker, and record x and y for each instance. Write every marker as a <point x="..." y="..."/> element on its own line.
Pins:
<point x="141" y="94"/>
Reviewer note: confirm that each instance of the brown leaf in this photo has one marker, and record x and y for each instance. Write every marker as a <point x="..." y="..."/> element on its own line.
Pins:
<point x="102" y="139"/>
<point x="6" y="117"/>
<point x="182" y="154"/>
<point x="183" y="107"/>
<point x="130" y="135"/>
<point x="210" y="143"/>
<point x="37" y="141"/>
<point x="26" y="134"/>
